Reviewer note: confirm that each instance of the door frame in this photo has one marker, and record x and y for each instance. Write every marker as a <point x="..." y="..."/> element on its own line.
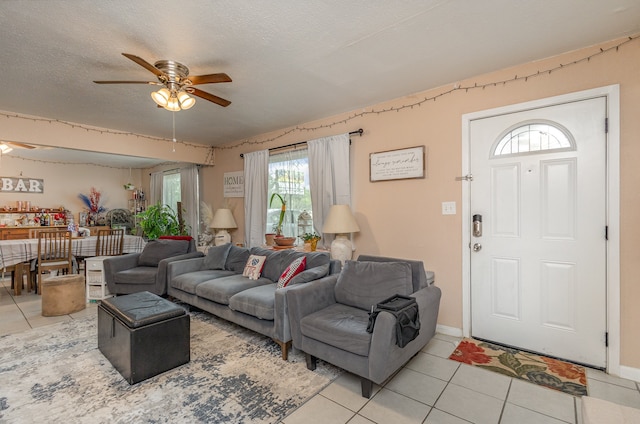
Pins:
<point x="612" y="94"/>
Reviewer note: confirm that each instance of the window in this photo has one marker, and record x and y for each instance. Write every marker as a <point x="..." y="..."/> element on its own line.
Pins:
<point x="533" y="137"/>
<point x="171" y="189"/>
<point x="289" y="177"/>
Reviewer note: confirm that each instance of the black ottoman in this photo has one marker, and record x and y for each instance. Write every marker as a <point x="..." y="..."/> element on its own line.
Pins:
<point x="143" y="335"/>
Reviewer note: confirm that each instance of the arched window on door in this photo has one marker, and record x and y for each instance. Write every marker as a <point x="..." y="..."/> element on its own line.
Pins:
<point x="533" y="137"/>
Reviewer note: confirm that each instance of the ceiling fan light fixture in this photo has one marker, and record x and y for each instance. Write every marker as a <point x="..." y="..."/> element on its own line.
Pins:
<point x="185" y="100"/>
<point x="161" y="97"/>
<point x="173" y="104"/>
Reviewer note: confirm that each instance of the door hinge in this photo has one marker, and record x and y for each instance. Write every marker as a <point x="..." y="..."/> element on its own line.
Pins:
<point x="606" y="125"/>
<point x="606" y="232"/>
<point x="606" y="339"/>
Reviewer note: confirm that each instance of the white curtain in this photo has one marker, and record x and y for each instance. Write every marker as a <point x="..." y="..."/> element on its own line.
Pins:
<point x="155" y="186"/>
<point x="329" y="178"/>
<point x="256" y="178"/>
<point x="189" y="194"/>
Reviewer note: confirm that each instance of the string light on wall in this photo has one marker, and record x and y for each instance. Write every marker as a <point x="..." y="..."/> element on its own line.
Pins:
<point x="456" y="88"/>
<point x="210" y="154"/>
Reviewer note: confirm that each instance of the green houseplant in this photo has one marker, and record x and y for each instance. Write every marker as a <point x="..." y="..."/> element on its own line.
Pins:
<point x="283" y="210"/>
<point x="160" y="220"/>
<point x="312" y="239"/>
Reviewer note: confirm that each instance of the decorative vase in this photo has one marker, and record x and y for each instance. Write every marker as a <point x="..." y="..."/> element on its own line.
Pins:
<point x="313" y="244"/>
<point x="270" y="239"/>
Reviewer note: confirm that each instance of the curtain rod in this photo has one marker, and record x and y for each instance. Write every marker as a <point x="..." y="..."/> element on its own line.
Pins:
<point x="359" y="131"/>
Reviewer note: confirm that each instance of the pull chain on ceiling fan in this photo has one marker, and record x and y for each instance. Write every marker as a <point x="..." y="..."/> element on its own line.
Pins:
<point x="177" y="85"/>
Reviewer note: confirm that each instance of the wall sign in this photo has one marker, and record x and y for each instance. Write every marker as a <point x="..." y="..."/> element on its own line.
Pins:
<point x="234" y="184"/>
<point x="21" y="185"/>
<point x="397" y="164"/>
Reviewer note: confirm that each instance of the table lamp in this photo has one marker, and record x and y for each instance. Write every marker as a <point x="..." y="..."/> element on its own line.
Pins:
<point x="340" y="222"/>
<point x="223" y="221"/>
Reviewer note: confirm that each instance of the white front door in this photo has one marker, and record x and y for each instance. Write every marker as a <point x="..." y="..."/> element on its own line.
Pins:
<point x="538" y="271"/>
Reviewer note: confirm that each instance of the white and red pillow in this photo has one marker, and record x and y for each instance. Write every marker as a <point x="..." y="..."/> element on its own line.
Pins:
<point x="254" y="266"/>
<point x="294" y="268"/>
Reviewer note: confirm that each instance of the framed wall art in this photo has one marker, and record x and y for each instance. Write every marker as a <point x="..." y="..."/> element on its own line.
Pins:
<point x="398" y="164"/>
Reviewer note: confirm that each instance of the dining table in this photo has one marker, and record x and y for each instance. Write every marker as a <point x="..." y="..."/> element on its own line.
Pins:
<point x="13" y="252"/>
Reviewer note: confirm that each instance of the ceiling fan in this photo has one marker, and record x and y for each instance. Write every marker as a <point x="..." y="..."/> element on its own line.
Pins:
<point x="7" y="146"/>
<point x="177" y="84"/>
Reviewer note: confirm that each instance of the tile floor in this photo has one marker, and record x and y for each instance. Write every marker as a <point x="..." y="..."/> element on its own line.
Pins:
<point x="430" y="389"/>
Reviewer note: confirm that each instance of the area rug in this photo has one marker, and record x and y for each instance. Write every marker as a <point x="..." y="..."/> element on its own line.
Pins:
<point x="544" y="371"/>
<point x="57" y="374"/>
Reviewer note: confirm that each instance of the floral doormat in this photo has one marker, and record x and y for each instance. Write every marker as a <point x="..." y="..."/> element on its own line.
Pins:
<point x="544" y="371"/>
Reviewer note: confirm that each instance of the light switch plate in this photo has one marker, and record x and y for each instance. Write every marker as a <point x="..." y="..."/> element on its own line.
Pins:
<point x="448" y="208"/>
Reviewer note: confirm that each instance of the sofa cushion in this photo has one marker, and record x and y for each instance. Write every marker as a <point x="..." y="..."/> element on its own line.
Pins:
<point x="156" y="250"/>
<point x="138" y="275"/>
<point x="236" y="259"/>
<point x="216" y="257"/>
<point x="419" y="277"/>
<point x="364" y="284"/>
<point x="188" y="282"/>
<point x="220" y="290"/>
<point x="254" y="266"/>
<point x="258" y="302"/>
<point x="315" y="259"/>
<point x="294" y="268"/>
<point x="311" y="274"/>
<point x="277" y="261"/>
<point x="341" y="326"/>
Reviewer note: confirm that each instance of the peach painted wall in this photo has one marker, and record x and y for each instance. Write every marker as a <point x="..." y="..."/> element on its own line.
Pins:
<point x="404" y="219"/>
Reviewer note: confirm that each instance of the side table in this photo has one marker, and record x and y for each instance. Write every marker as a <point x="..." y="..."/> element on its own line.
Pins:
<point x="96" y="285"/>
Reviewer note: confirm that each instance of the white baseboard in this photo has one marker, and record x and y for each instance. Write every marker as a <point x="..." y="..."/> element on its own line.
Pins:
<point x="449" y="331"/>
<point x="630" y="373"/>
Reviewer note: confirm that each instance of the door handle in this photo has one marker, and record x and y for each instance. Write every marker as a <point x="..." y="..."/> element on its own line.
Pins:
<point x="477" y="247"/>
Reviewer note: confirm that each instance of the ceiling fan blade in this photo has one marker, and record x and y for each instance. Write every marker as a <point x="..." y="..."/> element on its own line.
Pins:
<point x="209" y="79"/>
<point x="140" y="61"/>
<point x="207" y="96"/>
<point x="19" y="145"/>
<point x="126" y="82"/>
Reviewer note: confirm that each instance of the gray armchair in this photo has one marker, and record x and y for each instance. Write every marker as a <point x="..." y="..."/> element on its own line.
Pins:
<point x="329" y="317"/>
<point x="147" y="271"/>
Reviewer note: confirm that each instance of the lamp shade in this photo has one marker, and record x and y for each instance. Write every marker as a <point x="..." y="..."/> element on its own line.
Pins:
<point x="161" y="97"/>
<point x="223" y="219"/>
<point x="186" y="101"/>
<point x="340" y="221"/>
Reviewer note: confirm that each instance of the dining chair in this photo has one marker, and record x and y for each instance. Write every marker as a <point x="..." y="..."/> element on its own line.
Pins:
<point x="54" y="254"/>
<point x="33" y="232"/>
<point x="110" y="242"/>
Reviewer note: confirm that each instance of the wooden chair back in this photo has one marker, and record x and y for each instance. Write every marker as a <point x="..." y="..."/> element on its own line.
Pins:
<point x="110" y="242"/>
<point x="54" y="253"/>
<point x="33" y="232"/>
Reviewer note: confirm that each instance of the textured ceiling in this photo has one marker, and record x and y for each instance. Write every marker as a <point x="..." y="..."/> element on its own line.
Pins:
<point x="291" y="62"/>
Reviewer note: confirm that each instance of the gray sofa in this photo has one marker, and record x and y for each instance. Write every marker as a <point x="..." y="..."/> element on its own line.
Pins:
<point x="215" y="284"/>
<point x="147" y="271"/>
<point x="329" y="318"/>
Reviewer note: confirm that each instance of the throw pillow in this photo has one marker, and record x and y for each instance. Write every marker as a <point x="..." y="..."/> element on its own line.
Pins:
<point x="187" y="238"/>
<point x="294" y="268"/>
<point x="310" y="274"/>
<point x="216" y="257"/>
<point x="254" y="265"/>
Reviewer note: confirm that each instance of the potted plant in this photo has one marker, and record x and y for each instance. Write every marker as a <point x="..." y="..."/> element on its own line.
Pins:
<point x="283" y="209"/>
<point x="160" y="220"/>
<point x="312" y="239"/>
